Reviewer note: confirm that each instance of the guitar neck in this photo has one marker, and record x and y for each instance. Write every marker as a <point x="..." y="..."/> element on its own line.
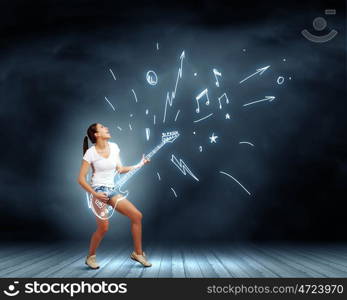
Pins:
<point x="131" y="173"/>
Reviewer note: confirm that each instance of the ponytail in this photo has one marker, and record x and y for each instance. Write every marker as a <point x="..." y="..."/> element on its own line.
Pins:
<point x="85" y="144"/>
<point x="91" y="135"/>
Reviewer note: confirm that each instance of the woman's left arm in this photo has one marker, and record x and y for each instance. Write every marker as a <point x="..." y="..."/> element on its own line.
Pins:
<point x="124" y="169"/>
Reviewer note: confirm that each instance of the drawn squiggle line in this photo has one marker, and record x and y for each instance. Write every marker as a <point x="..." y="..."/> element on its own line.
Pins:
<point x="158" y="176"/>
<point x="249" y="143"/>
<point x="169" y="100"/>
<point x="173" y="191"/>
<point x="196" y="121"/>
<point x="236" y="181"/>
<point x="114" y="77"/>
<point x="110" y="104"/>
<point x="177" y="115"/>
<point x="134" y="95"/>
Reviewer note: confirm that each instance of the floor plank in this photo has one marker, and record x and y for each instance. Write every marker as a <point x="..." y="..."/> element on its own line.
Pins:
<point x="241" y="260"/>
<point x="178" y="270"/>
<point x="228" y="258"/>
<point x="165" y="270"/>
<point x="32" y="259"/>
<point x="322" y="265"/>
<point x="294" y="262"/>
<point x="111" y="269"/>
<point x="333" y="258"/>
<point x="278" y="264"/>
<point x="192" y="268"/>
<point x="45" y="263"/>
<point x="206" y="269"/>
<point x="23" y="255"/>
<point x="215" y="263"/>
<point x="254" y="261"/>
<point x="155" y="258"/>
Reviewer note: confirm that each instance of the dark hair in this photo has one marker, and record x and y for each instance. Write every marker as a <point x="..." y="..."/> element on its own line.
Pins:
<point x="90" y="134"/>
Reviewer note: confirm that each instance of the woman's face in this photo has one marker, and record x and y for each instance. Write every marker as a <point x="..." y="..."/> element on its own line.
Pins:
<point x="102" y="132"/>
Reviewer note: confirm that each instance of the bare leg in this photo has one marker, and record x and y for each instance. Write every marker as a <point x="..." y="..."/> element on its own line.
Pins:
<point x="102" y="227"/>
<point x="126" y="208"/>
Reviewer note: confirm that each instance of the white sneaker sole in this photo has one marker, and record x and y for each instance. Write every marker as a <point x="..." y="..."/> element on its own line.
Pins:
<point x="131" y="256"/>
<point x="92" y="267"/>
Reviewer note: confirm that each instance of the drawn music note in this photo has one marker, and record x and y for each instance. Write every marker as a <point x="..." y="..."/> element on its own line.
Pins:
<point x="217" y="73"/>
<point x="226" y="100"/>
<point x="203" y="93"/>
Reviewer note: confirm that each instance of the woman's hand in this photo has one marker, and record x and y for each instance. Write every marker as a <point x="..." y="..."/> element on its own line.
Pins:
<point x="144" y="160"/>
<point x="102" y="196"/>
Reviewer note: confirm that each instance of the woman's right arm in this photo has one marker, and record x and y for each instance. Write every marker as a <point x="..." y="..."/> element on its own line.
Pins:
<point x="82" y="177"/>
<point x="83" y="182"/>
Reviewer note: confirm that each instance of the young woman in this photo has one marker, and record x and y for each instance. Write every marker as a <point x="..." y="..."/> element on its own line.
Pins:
<point x="104" y="159"/>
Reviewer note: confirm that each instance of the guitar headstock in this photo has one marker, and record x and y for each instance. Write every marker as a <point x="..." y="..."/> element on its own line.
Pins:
<point x="169" y="137"/>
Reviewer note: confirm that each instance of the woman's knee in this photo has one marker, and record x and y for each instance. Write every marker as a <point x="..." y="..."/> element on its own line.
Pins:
<point x="102" y="229"/>
<point x="136" y="216"/>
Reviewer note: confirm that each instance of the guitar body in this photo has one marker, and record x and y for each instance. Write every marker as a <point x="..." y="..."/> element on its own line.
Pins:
<point x="105" y="211"/>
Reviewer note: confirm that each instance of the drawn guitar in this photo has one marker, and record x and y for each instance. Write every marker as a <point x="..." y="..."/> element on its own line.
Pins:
<point x="104" y="211"/>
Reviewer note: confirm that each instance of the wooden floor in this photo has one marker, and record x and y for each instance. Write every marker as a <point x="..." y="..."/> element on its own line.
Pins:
<point x="233" y="260"/>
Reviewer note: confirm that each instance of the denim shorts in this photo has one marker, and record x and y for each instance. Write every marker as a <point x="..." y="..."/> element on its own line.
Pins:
<point x="110" y="191"/>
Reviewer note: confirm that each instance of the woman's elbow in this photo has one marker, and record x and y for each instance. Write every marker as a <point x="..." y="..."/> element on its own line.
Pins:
<point x="80" y="180"/>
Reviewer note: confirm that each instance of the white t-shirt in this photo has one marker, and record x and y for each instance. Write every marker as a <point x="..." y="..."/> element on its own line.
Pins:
<point x="104" y="169"/>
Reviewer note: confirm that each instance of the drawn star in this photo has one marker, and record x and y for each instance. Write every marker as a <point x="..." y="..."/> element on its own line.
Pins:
<point x="213" y="138"/>
<point x="227" y="116"/>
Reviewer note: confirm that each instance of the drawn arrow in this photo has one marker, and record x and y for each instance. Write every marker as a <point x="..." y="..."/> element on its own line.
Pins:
<point x="259" y="71"/>
<point x="169" y="100"/>
<point x="267" y="98"/>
